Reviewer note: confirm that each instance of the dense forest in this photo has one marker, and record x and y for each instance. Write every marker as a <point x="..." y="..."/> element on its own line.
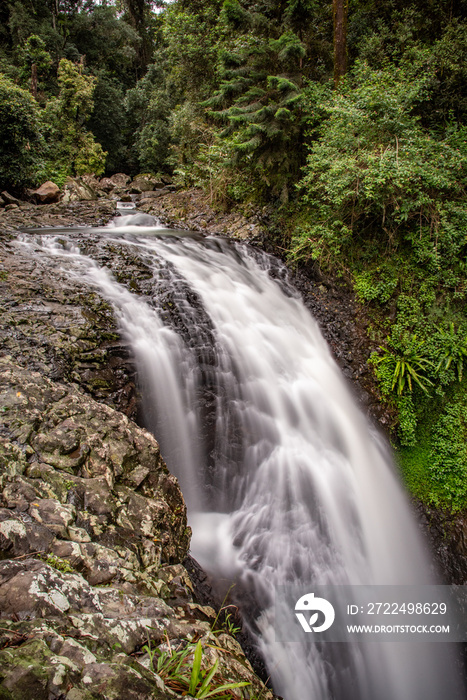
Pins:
<point x="345" y="119"/>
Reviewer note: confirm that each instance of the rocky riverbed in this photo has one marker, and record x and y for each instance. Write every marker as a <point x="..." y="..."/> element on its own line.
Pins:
<point x="93" y="574"/>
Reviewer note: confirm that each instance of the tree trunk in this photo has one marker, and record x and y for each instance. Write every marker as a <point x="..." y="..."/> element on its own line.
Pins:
<point x="340" y="9"/>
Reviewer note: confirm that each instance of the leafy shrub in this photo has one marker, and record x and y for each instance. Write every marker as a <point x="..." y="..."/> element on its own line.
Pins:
<point x="453" y="350"/>
<point x="379" y="287"/>
<point x="181" y="670"/>
<point x="374" y="173"/>
<point x="402" y="366"/>
<point x="19" y="135"/>
<point x="448" y="463"/>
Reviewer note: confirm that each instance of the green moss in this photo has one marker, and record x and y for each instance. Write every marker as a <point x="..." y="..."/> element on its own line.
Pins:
<point x="414" y="467"/>
<point x="434" y="468"/>
<point x="28" y="666"/>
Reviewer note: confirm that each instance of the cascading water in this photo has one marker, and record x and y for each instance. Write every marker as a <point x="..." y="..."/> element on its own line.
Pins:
<point x="284" y="480"/>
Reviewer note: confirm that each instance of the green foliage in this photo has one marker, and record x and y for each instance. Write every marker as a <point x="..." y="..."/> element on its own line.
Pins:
<point x="109" y="43"/>
<point x="200" y="157"/>
<point x="407" y="419"/>
<point x="453" y="350"/>
<point x="147" y="107"/>
<point x="376" y="287"/>
<point x="58" y="563"/>
<point x="34" y="53"/>
<point x="413" y="461"/>
<point x="405" y="372"/>
<point x="259" y="102"/>
<point x="226" y="617"/>
<point x="109" y="123"/>
<point x="181" y="670"/>
<point x="228" y="624"/>
<point x="375" y="173"/>
<point x="398" y="368"/>
<point x="191" y="38"/>
<point x="448" y="458"/>
<point x="70" y="146"/>
<point x="19" y="135"/>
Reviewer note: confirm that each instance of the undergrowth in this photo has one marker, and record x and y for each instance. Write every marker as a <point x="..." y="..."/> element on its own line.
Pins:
<point x="182" y="671"/>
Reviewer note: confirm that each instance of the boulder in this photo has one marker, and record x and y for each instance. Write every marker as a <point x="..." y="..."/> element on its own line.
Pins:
<point x="106" y="185"/>
<point x="76" y="190"/>
<point x="8" y="198"/>
<point x="120" y="179"/>
<point x="47" y="193"/>
<point x="90" y="180"/>
<point x="143" y="183"/>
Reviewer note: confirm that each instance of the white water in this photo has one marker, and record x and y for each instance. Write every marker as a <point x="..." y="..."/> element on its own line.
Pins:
<point x="298" y="489"/>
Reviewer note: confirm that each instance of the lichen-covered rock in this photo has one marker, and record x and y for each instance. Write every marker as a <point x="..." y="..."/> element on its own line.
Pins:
<point x="78" y="457"/>
<point x="59" y="634"/>
<point x="8" y="198"/>
<point x="78" y="190"/>
<point x="120" y="179"/>
<point x="93" y="531"/>
<point x="144" y="183"/>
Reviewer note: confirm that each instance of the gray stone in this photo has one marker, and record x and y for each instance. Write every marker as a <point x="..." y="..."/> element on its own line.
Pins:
<point x="77" y="190"/>
<point x="120" y="179"/>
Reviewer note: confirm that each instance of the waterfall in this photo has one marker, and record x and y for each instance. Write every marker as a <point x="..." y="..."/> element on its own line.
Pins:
<point x="285" y="481"/>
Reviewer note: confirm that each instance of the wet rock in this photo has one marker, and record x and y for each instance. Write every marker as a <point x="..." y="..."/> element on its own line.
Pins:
<point x="71" y="639"/>
<point x="47" y="193"/>
<point x="84" y="489"/>
<point x="59" y="327"/>
<point x="191" y="209"/>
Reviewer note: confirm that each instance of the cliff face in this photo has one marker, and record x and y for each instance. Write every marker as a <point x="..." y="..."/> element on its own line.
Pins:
<point x="93" y="527"/>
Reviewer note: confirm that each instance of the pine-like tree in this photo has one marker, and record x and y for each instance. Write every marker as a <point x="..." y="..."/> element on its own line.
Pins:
<point x="260" y="96"/>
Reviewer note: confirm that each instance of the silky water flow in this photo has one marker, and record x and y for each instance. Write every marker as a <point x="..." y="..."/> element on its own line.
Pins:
<point x="286" y="483"/>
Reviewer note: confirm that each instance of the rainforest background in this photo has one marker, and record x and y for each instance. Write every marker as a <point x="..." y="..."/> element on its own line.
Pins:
<point x="345" y="119"/>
